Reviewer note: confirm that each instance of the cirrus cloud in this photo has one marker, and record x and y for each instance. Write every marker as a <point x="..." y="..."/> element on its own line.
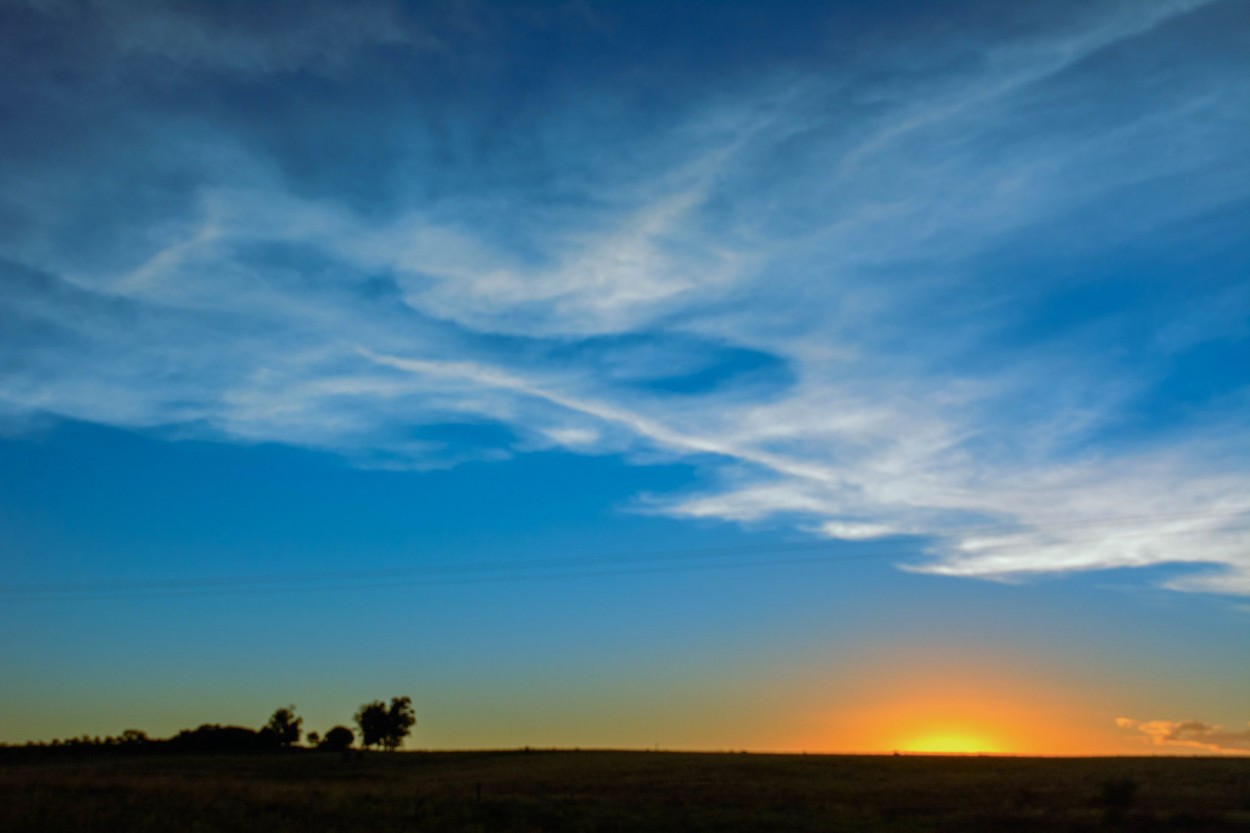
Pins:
<point x="992" y="286"/>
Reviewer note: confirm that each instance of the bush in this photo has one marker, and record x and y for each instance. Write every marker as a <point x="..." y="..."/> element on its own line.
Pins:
<point x="338" y="738"/>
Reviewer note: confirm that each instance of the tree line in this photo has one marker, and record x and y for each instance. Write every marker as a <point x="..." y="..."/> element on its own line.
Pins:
<point x="378" y="725"/>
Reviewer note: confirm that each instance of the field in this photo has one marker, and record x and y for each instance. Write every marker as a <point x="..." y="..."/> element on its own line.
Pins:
<point x="615" y="791"/>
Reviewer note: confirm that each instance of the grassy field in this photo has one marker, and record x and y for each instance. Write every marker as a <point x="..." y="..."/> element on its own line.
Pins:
<point x="616" y="791"/>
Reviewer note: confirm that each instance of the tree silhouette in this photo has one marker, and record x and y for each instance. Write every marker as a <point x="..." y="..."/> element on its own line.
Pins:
<point x="285" y="726"/>
<point x="401" y="719"/>
<point x="384" y="726"/>
<point x="338" y="738"/>
<point x="373" y="723"/>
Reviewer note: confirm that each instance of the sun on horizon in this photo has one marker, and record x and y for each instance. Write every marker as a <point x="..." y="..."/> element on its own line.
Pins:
<point x="951" y="743"/>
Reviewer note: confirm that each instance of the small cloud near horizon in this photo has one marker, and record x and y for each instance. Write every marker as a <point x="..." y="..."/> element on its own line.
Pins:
<point x="1192" y="734"/>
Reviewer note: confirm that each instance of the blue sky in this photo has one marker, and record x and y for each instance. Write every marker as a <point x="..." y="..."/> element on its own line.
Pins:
<point x="953" y="297"/>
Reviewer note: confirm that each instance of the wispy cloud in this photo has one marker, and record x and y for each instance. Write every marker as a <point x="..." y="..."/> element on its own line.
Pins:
<point x="979" y="271"/>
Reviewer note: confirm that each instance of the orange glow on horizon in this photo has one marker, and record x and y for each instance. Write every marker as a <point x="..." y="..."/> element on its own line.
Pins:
<point x="951" y="743"/>
<point x="983" y="705"/>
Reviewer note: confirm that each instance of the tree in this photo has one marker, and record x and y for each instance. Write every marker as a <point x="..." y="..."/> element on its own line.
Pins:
<point x="401" y="718"/>
<point x="384" y="726"/>
<point x="338" y="738"/>
<point x="285" y="726"/>
<point x="373" y="722"/>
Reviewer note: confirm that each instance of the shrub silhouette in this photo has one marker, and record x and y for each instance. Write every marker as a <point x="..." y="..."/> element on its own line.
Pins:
<point x="217" y="738"/>
<point x="285" y="726"/>
<point x="338" y="738"/>
<point x="133" y="737"/>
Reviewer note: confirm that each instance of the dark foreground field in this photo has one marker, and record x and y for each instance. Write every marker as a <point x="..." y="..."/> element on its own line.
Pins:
<point x="607" y="791"/>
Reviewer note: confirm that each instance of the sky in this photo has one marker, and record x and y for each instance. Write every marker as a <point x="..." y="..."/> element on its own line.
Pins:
<point x="829" y="377"/>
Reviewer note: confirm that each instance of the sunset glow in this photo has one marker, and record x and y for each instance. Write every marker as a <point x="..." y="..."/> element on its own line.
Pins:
<point x="984" y="702"/>
<point x="950" y="743"/>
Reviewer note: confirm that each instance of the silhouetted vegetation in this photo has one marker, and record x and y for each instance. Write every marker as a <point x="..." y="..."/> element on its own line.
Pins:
<point x="285" y="726"/>
<point x="215" y="738"/>
<point x="384" y="726"/>
<point x="337" y="739"/>
<point x="387" y="727"/>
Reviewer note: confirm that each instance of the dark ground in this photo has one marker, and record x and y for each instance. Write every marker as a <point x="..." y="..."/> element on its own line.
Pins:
<point x="615" y="791"/>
